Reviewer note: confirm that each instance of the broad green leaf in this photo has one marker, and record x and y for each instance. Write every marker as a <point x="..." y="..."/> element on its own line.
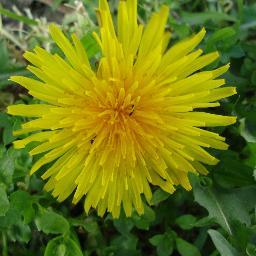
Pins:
<point x="203" y="222"/>
<point x="186" y="249"/>
<point x="123" y="225"/>
<point x="19" y="232"/>
<point x="234" y="50"/>
<point x="241" y="235"/>
<point x="158" y="196"/>
<point x="232" y="172"/>
<point x="249" y="12"/>
<point x="221" y="35"/>
<point x="6" y="122"/>
<point x="164" y="243"/>
<point x="127" y="242"/>
<point x="89" y="224"/>
<point x="9" y="161"/>
<point x="186" y="222"/>
<point x="222" y="245"/>
<point x="52" y="223"/>
<point x="6" y="168"/>
<point x="22" y="201"/>
<point x="11" y="217"/>
<point x="60" y="246"/>
<point x="145" y="220"/>
<point x="224" y="205"/>
<point x="4" y="202"/>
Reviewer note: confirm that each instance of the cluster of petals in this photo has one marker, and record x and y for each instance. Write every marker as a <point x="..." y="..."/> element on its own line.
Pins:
<point x="110" y="132"/>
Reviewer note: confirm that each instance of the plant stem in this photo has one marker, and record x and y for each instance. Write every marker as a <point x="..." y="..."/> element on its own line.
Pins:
<point x="4" y="242"/>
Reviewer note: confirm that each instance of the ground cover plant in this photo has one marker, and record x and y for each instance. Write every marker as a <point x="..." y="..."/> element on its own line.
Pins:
<point x="216" y="217"/>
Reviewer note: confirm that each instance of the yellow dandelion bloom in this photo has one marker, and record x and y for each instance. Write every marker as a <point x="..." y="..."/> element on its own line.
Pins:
<point x="112" y="131"/>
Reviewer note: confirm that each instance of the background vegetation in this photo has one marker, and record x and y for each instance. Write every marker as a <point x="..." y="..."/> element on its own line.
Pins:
<point x="217" y="218"/>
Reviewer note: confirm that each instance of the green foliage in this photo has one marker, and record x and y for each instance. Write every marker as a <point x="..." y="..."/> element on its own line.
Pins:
<point x="217" y="218"/>
<point x="186" y="221"/>
<point x="186" y="249"/>
<point x="164" y="243"/>
<point x="222" y="245"/>
<point x="4" y="202"/>
<point x="7" y="69"/>
<point x="51" y="223"/>
<point x="222" y="204"/>
<point x="60" y="246"/>
<point x="90" y="44"/>
<point x="14" y="16"/>
<point x="23" y="203"/>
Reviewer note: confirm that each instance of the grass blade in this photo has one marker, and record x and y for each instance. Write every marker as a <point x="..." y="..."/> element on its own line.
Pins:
<point x="15" y="16"/>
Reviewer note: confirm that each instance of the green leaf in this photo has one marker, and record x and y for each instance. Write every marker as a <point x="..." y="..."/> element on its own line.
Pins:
<point x="90" y="45"/>
<point x="222" y="245"/>
<point x="248" y="127"/>
<point x="123" y="225"/>
<point x="4" y="202"/>
<point x="240" y="9"/>
<point x="16" y="71"/>
<point x="251" y="249"/>
<point x="186" y="222"/>
<point x="8" y="137"/>
<point x="52" y="223"/>
<point x="221" y="35"/>
<point x="232" y="172"/>
<point x="199" y="18"/>
<point x="181" y="30"/>
<point x="60" y="246"/>
<point x="22" y="201"/>
<point x="164" y="243"/>
<point x="11" y="217"/>
<point x="249" y="12"/>
<point x="186" y="249"/>
<point x="4" y="56"/>
<point x="7" y="124"/>
<point x="224" y="205"/>
<point x="159" y="196"/>
<point x="203" y="222"/>
<point x="15" y="16"/>
<point x="128" y="242"/>
<point x="144" y="221"/>
<point x="89" y="224"/>
<point x="241" y="236"/>
<point x="19" y="232"/>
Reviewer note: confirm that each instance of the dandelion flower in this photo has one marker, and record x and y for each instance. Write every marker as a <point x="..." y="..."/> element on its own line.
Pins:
<point x="135" y="120"/>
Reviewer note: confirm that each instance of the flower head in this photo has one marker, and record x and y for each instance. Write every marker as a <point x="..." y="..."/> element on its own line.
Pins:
<point x="111" y="131"/>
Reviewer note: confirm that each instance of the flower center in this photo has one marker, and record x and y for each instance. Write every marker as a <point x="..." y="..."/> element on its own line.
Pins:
<point x="115" y="122"/>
